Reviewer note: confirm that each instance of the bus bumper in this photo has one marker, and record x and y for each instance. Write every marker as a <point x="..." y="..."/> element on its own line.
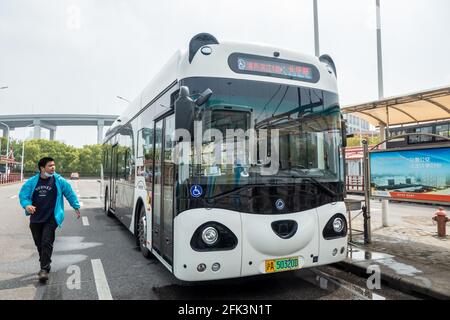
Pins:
<point x="258" y="242"/>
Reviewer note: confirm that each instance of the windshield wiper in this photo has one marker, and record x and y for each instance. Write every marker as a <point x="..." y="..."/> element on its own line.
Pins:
<point x="211" y="200"/>
<point x="315" y="182"/>
<point x="301" y="111"/>
<point x="321" y="185"/>
<point x="231" y="192"/>
<point x="239" y="189"/>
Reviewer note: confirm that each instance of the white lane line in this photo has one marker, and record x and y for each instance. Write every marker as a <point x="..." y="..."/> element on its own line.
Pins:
<point x="377" y="297"/>
<point x="100" y="280"/>
<point x="85" y="221"/>
<point x="13" y="197"/>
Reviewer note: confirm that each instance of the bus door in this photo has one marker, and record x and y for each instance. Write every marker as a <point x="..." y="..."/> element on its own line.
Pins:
<point x="163" y="188"/>
<point x="114" y="174"/>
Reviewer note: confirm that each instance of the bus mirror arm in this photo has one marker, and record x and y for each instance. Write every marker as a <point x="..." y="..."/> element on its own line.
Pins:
<point x="204" y="97"/>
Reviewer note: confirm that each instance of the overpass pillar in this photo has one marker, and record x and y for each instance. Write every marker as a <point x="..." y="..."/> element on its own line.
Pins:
<point x="100" y="125"/>
<point x="52" y="135"/>
<point x="37" y="129"/>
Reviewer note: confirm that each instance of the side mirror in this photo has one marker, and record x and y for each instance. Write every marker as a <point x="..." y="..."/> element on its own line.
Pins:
<point x="204" y="97"/>
<point x="184" y="110"/>
<point x="184" y="92"/>
<point x="344" y="132"/>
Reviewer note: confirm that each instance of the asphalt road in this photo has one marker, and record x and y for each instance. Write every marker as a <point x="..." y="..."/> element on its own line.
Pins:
<point x="96" y="258"/>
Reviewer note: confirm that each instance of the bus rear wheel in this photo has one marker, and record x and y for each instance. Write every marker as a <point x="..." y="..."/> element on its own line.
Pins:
<point x="142" y="233"/>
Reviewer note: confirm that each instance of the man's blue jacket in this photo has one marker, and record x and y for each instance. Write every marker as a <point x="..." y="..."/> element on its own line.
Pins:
<point x="63" y="189"/>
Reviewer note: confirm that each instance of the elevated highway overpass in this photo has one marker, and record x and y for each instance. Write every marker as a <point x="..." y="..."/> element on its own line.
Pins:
<point x="52" y="121"/>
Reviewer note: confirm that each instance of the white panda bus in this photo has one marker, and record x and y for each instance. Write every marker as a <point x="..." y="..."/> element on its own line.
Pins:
<point x="268" y="202"/>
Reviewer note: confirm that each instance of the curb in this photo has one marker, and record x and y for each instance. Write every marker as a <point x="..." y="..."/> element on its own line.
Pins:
<point x="10" y="183"/>
<point x="402" y="285"/>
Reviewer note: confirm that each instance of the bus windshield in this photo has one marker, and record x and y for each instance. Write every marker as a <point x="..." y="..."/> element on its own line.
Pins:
<point x="297" y="135"/>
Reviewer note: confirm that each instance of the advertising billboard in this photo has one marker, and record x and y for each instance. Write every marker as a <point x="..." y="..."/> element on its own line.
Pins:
<point x="416" y="175"/>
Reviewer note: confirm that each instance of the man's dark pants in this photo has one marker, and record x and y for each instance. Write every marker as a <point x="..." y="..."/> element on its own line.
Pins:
<point x="44" y="237"/>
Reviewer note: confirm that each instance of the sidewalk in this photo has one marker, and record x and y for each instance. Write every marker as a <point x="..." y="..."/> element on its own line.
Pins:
<point x="410" y="255"/>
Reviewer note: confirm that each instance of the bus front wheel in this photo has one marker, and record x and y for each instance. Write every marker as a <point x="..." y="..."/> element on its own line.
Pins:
<point x="142" y="232"/>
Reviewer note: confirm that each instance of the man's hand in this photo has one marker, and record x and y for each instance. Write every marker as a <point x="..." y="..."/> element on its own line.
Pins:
<point x="30" y="209"/>
<point x="77" y="213"/>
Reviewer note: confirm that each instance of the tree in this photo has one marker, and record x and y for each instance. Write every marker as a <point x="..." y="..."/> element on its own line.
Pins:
<point x="90" y="159"/>
<point x="86" y="160"/>
<point x="356" y="140"/>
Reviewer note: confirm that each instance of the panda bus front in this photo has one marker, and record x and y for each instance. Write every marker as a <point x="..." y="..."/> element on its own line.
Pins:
<point x="243" y="173"/>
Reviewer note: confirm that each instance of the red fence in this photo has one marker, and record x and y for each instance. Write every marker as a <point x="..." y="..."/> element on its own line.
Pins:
<point x="13" y="177"/>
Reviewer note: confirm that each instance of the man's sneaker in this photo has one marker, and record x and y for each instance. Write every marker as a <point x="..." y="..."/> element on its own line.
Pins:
<point x="43" y="275"/>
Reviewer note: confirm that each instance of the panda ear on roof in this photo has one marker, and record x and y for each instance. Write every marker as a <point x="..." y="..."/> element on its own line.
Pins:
<point x="198" y="41"/>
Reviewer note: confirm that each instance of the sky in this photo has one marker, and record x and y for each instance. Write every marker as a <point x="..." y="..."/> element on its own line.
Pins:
<point x="76" y="56"/>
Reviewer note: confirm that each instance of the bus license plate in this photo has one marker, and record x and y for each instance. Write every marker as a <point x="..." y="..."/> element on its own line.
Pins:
<point x="284" y="264"/>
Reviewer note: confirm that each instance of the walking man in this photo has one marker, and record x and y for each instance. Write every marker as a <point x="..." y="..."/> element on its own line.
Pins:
<point x="42" y="198"/>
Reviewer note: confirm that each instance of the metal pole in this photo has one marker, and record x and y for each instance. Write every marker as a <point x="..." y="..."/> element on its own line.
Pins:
<point x="122" y="98"/>
<point x="384" y="203"/>
<point x="360" y="132"/>
<point x="366" y="209"/>
<point x="316" y="29"/>
<point x="23" y="152"/>
<point x="7" y="149"/>
<point x="379" y="53"/>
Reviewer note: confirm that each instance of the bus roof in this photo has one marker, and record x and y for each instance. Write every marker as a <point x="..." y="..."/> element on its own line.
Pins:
<point x="216" y="65"/>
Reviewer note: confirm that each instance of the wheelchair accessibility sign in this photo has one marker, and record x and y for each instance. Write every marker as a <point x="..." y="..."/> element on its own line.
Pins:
<point x="196" y="191"/>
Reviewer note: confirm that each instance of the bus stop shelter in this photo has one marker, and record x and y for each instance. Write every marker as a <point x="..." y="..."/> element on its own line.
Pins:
<point x="415" y="108"/>
<point x="431" y="105"/>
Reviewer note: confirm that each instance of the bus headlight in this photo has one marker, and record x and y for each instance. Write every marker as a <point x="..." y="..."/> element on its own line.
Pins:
<point x="335" y="228"/>
<point x="338" y="225"/>
<point x="210" y="235"/>
<point x="213" y="236"/>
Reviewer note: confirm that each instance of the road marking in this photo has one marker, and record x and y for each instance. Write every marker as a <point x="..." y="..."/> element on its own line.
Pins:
<point x="85" y="221"/>
<point x="377" y="297"/>
<point x="13" y="197"/>
<point x="352" y="288"/>
<point x="100" y="280"/>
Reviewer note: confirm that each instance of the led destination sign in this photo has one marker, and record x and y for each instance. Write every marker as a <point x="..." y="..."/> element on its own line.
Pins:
<point x="267" y="66"/>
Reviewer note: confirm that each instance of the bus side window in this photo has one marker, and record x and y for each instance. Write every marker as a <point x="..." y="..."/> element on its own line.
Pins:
<point x="146" y="147"/>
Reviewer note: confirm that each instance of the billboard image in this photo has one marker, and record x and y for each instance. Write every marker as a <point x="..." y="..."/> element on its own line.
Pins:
<point x="419" y="175"/>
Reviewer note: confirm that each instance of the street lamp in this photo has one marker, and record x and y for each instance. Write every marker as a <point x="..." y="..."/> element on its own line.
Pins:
<point x="23" y="154"/>
<point x="7" y="148"/>
<point x="121" y="98"/>
<point x="316" y="29"/>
